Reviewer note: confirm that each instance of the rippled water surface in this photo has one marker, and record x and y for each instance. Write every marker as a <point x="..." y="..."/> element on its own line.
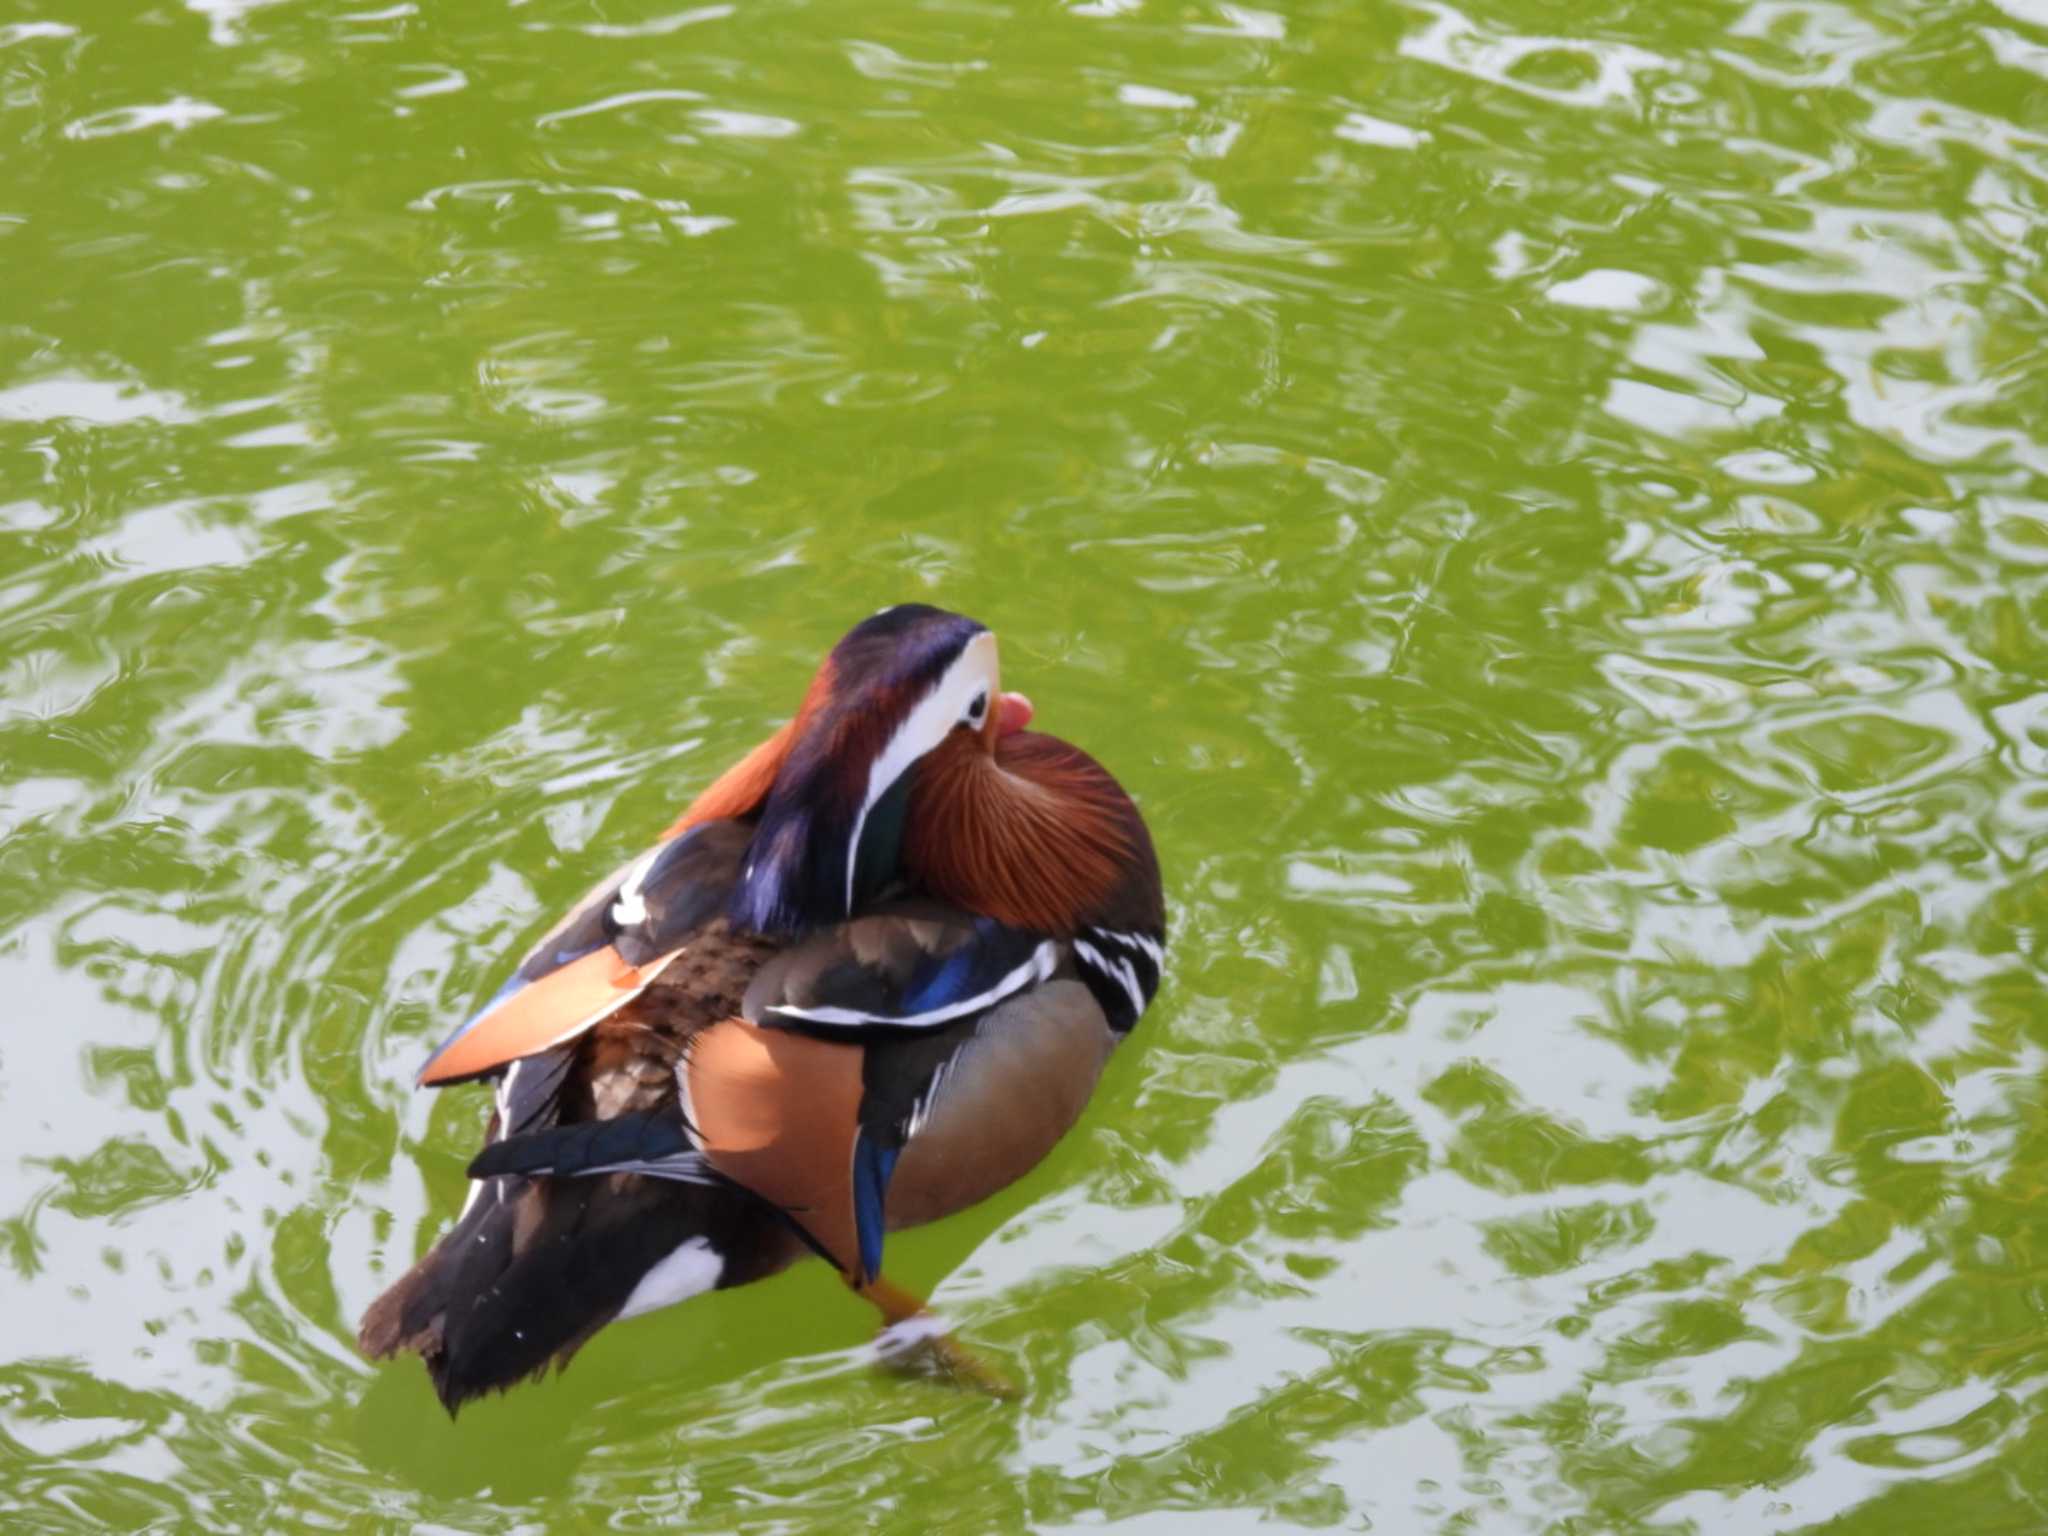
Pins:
<point x="1547" y="505"/>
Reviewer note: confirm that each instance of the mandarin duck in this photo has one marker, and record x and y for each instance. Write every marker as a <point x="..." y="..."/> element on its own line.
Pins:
<point x="866" y="980"/>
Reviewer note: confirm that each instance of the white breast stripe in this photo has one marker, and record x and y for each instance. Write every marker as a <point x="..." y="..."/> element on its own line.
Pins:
<point x="1144" y="943"/>
<point x="1120" y="972"/>
<point x="1128" y="974"/>
<point x="1036" y="969"/>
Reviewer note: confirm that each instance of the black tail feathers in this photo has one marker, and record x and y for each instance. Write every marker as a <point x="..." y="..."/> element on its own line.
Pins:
<point x="536" y="1266"/>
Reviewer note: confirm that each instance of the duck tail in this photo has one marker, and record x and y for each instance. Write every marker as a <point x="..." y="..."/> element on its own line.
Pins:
<point x="536" y="1265"/>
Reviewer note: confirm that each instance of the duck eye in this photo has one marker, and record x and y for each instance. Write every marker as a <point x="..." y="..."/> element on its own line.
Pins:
<point x="978" y="710"/>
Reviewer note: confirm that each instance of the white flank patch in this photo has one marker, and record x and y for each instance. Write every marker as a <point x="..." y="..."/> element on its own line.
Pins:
<point x="1037" y="968"/>
<point x="934" y="715"/>
<point x="691" y="1270"/>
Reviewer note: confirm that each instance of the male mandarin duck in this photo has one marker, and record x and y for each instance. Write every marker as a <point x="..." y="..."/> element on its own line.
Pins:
<point x="869" y="978"/>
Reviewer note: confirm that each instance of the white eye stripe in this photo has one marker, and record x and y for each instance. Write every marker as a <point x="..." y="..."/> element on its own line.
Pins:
<point x="926" y="727"/>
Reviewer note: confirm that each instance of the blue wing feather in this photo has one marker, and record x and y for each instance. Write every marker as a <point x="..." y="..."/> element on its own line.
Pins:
<point x="947" y="982"/>
<point x="873" y="1164"/>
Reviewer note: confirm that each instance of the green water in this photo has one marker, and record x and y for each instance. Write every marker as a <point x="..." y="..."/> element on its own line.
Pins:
<point x="1546" y="505"/>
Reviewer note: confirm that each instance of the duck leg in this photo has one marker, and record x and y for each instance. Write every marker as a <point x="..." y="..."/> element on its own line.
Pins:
<point x="920" y="1336"/>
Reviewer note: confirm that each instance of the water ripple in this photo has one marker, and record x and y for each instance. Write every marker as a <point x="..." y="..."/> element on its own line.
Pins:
<point x="1550" y="513"/>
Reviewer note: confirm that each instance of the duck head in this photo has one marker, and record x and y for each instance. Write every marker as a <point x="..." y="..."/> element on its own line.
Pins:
<point x="907" y="765"/>
<point x="836" y="783"/>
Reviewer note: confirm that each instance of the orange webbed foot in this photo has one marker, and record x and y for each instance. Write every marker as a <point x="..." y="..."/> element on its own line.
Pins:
<point x="914" y="1342"/>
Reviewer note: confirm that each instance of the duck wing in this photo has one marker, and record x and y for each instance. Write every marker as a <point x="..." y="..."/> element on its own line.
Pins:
<point x="604" y="952"/>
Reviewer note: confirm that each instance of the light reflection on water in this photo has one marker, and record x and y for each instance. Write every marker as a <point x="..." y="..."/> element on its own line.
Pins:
<point x="1547" y="511"/>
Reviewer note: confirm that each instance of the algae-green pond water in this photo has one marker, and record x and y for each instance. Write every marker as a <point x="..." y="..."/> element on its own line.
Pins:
<point x="1546" y="506"/>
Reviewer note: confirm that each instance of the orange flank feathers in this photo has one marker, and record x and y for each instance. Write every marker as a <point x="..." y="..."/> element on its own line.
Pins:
<point x="776" y="1111"/>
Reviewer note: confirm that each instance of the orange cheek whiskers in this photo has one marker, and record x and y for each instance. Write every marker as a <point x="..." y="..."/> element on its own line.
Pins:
<point x="1032" y="836"/>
